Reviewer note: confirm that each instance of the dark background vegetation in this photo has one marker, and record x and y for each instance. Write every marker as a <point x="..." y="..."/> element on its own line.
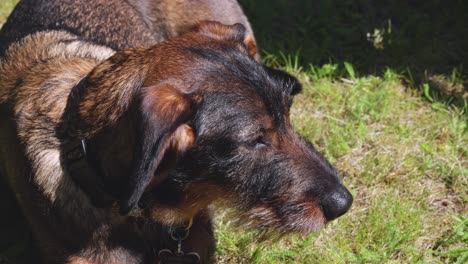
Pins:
<point x="420" y="35"/>
<point x="423" y="39"/>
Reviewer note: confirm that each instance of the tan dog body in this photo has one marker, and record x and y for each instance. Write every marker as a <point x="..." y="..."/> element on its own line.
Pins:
<point x="42" y="96"/>
<point x="169" y="128"/>
<point x="38" y="74"/>
<point x="119" y="24"/>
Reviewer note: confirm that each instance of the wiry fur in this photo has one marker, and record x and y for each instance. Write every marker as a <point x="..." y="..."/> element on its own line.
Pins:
<point x="39" y="73"/>
<point x="119" y="24"/>
<point x="171" y="128"/>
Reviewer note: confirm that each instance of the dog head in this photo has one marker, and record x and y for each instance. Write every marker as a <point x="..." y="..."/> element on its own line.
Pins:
<point x="208" y="122"/>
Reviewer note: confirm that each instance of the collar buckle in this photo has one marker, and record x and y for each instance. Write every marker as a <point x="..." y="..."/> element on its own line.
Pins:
<point x="179" y="234"/>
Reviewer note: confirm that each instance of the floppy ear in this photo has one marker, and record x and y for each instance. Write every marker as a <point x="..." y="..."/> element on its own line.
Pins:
<point x="291" y="84"/>
<point x="101" y="100"/>
<point x="236" y="32"/>
<point x="163" y="111"/>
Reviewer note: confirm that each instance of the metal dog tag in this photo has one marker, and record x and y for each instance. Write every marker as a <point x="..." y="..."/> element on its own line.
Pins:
<point x="168" y="257"/>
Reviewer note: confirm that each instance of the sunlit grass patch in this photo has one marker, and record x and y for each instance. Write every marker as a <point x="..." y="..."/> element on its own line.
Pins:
<point x="5" y="8"/>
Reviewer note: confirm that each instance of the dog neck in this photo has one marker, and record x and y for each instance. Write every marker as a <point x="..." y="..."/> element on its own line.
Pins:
<point x="78" y="167"/>
<point x="98" y="162"/>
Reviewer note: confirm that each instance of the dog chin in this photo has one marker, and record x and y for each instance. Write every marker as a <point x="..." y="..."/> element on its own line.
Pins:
<point x="169" y="216"/>
<point x="304" y="219"/>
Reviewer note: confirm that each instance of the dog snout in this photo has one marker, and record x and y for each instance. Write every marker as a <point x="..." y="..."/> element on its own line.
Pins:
<point x="336" y="202"/>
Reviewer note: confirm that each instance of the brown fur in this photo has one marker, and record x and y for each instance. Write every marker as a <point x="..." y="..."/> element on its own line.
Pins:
<point x="39" y="59"/>
<point x="119" y="24"/>
<point x="153" y="132"/>
<point x="38" y="74"/>
<point x="25" y="78"/>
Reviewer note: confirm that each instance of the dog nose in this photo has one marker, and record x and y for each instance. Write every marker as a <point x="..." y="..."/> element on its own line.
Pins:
<point x="336" y="203"/>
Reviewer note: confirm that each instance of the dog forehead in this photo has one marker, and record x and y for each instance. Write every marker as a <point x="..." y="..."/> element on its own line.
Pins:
<point x="194" y="69"/>
<point x="228" y="70"/>
<point x="220" y="68"/>
<point x="234" y="114"/>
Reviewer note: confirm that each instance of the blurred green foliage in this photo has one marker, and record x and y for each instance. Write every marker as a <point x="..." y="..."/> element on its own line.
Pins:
<point x="422" y="36"/>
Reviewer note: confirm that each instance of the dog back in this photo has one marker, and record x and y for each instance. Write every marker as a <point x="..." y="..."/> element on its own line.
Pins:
<point x="117" y="24"/>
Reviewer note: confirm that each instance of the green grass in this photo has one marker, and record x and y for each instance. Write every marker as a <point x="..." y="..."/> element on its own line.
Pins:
<point x="5" y="8"/>
<point x="400" y="145"/>
<point x="424" y="36"/>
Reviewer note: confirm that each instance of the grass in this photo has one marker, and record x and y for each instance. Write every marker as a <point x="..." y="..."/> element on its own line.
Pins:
<point x="400" y="145"/>
<point x="424" y="36"/>
<point x="5" y="8"/>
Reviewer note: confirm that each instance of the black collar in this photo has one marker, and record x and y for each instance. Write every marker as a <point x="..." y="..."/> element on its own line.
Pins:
<point x="78" y="167"/>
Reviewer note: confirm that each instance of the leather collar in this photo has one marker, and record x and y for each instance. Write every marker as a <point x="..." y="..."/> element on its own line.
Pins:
<point x="79" y="168"/>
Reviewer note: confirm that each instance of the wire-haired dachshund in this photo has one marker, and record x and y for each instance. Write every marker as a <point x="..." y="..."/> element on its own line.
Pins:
<point x="115" y="157"/>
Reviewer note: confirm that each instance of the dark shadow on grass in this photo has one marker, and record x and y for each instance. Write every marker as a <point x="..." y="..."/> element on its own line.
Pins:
<point x="422" y="37"/>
